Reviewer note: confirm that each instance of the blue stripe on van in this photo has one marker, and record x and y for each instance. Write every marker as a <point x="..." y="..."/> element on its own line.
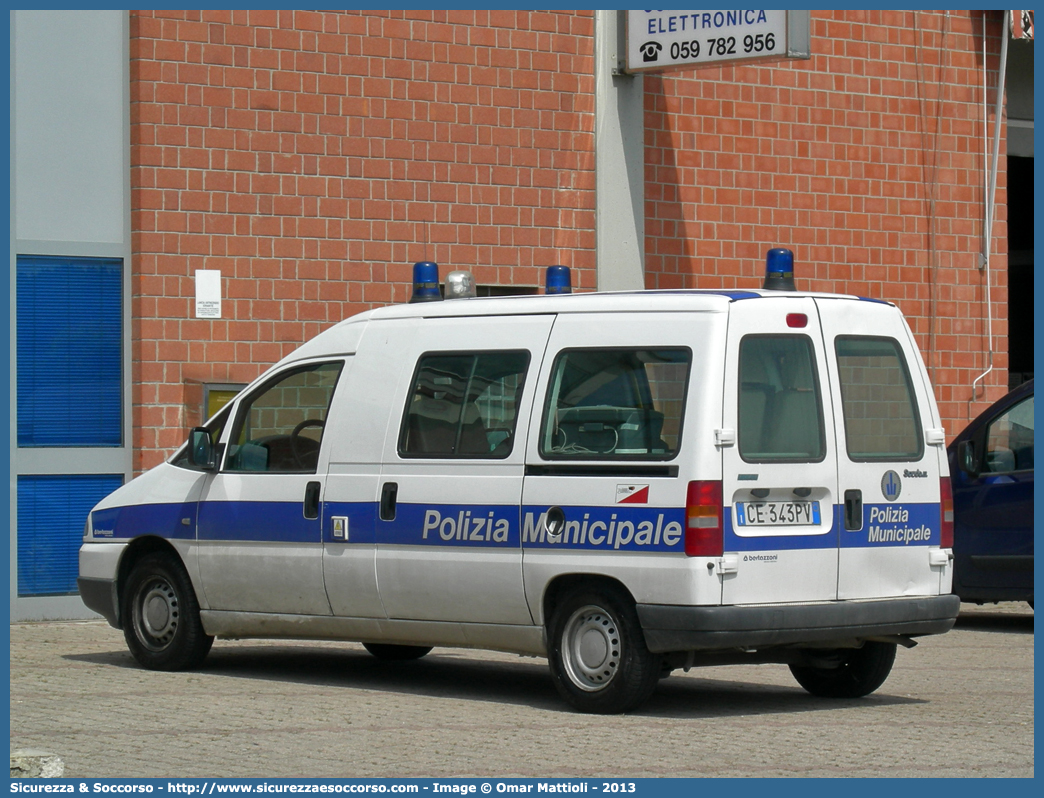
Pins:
<point x="612" y="528"/>
<point x="281" y="522"/>
<point x="451" y="525"/>
<point x="883" y="525"/>
<point x="615" y="528"/>
<point x="135" y="520"/>
<point x="895" y="525"/>
<point x="630" y="529"/>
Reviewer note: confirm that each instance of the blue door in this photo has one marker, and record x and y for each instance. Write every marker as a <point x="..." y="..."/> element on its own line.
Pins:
<point x="993" y="508"/>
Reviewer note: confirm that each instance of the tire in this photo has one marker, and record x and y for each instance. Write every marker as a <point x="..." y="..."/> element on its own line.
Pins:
<point x="860" y="671"/>
<point x="161" y="616"/>
<point x="396" y="653"/>
<point x="597" y="654"/>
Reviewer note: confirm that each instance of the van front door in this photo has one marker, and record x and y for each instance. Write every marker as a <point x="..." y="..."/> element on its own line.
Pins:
<point x="448" y="545"/>
<point x="259" y="527"/>
<point x="779" y="475"/>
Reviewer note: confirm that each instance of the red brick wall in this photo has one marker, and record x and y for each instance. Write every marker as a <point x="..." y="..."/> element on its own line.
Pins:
<point x="313" y="157"/>
<point x="867" y="161"/>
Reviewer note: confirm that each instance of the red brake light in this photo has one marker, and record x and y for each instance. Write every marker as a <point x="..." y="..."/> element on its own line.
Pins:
<point x="797" y="320"/>
<point x="703" y="524"/>
<point x="945" y="513"/>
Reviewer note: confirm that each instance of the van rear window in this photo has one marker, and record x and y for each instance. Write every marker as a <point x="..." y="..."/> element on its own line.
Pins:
<point x="780" y="408"/>
<point x="463" y="405"/>
<point x="620" y="404"/>
<point x="881" y="419"/>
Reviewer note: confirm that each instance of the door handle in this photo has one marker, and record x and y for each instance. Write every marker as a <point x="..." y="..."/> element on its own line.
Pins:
<point x="311" y="500"/>
<point x="853" y="510"/>
<point x="388" y="495"/>
<point x="727" y="564"/>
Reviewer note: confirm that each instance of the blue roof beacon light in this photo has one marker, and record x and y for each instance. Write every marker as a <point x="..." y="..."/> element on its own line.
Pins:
<point x="425" y="282"/>
<point x="558" y="280"/>
<point x="779" y="270"/>
<point x="460" y="285"/>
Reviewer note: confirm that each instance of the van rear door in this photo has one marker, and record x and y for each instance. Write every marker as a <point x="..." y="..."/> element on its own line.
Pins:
<point x="779" y="475"/>
<point x="627" y="403"/>
<point x="891" y="454"/>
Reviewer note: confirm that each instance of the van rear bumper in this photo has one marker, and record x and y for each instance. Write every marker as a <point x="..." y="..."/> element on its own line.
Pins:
<point x="676" y="628"/>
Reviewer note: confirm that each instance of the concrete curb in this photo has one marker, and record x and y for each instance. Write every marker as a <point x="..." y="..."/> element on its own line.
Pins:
<point x="28" y="763"/>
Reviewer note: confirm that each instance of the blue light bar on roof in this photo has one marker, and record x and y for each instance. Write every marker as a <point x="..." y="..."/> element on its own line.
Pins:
<point x="425" y="282"/>
<point x="779" y="270"/>
<point x="558" y="280"/>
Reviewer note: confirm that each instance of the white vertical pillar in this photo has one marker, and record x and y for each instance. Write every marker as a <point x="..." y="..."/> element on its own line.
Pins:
<point x="619" y="162"/>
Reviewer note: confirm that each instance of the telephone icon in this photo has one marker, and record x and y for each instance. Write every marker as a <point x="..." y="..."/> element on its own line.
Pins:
<point x="650" y="51"/>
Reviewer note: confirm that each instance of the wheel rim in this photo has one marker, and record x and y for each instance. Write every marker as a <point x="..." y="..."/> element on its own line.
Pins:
<point x="156" y="614"/>
<point x="591" y="648"/>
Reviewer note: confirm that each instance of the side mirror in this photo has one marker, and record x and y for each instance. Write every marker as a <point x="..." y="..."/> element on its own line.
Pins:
<point x="966" y="459"/>
<point x="201" y="450"/>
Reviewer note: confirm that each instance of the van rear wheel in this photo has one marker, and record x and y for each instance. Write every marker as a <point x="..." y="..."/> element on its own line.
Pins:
<point x="160" y="615"/>
<point x="858" y="671"/>
<point x="597" y="654"/>
<point x="396" y="653"/>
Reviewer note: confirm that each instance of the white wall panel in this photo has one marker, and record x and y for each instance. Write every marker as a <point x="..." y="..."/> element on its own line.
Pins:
<point x="68" y="125"/>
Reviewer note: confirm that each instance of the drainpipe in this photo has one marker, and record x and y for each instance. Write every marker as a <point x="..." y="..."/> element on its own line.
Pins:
<point x="991" y="189"/>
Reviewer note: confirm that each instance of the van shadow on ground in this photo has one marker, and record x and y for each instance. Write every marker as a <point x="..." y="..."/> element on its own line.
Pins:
<point x="526" y="682"/>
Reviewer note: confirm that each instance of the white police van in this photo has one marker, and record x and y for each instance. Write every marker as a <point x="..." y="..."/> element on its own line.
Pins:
<point x="625" y="483"/>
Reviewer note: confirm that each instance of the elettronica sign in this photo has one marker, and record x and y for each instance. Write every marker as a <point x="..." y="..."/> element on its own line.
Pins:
<point x="662" y="40"/>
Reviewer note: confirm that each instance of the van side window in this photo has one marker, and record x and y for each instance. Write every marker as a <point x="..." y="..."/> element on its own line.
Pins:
<point x="780" y="407"/>
<point x="877" y="397"/>
<point x="463" y="405"/>
<point x="1009" y="440"/>
<point x="280" y="428"/>
<point x="615" y="404"/>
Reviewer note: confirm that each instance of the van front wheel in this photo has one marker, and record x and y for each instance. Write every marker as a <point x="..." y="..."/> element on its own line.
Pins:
<point x="847" y="673"/>
<point x="161" y="621"/>
<point x="597" y="654"/>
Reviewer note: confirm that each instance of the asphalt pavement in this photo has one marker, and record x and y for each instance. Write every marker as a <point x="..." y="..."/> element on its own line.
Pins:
<point x="960" y="704"/>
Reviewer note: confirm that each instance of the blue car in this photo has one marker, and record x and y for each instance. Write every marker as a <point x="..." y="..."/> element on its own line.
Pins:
<point x="991" y="471"/>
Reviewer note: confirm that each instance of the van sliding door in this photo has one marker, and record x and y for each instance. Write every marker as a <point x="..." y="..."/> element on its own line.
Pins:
<point x="448" y="545"/>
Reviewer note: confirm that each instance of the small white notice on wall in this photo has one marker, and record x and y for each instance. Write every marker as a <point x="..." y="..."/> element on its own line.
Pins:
<point x="208" y="294"/>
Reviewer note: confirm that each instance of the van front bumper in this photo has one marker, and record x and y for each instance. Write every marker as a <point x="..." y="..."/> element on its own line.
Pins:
<point x="676" y="628"/>
<point x="100" y="595"/>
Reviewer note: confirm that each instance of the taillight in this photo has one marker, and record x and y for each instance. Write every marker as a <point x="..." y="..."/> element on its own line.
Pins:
<point x="703" y="526"/>
<point x="945" y="513"/>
